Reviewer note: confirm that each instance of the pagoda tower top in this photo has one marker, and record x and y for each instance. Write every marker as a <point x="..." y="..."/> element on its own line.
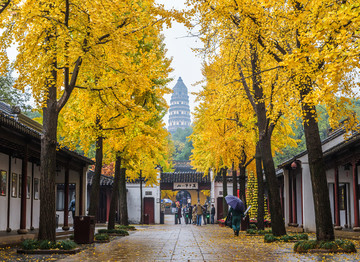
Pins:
<point x="179" y="112"/>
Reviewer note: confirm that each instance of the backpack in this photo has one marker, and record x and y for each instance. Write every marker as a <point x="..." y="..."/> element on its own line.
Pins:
<point x="228" y="221"/>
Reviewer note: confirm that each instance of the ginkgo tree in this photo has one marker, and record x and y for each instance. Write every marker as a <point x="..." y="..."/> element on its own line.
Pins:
<point x="314" y="44"/>
<point x="57" y="40"/>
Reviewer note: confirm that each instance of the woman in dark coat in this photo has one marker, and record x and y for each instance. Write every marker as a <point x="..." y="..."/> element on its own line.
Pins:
<point x="236" y="220"/>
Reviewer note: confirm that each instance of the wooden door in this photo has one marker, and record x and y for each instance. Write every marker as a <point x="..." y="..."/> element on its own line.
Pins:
<point x="219" y="207"/>
<point x="149" y="217"/>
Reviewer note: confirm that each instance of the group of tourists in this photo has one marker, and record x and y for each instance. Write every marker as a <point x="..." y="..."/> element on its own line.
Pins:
<point x="194" y="214"/>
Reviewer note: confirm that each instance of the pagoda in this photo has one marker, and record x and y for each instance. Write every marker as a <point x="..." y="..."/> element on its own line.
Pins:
<point x="179" y="113"/>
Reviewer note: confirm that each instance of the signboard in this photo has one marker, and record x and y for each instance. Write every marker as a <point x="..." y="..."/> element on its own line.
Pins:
<point x="180" y="186"/>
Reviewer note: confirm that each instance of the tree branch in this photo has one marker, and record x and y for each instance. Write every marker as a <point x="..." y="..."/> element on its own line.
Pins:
<point x="246" y="87"/>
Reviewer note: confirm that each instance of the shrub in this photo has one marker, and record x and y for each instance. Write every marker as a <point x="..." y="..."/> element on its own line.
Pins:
<point x="286" y="238"/>
<point x="45" y="244"/>
<point x="253" y="226"/>
<point x="337" y="245"/>
<point x="66" y="244"/>
<point x="114" y="231"/>
<point x="251" y="231"/>
<point x="29" y="244"/>
<point x="346" y="245"/>
<point x="268" y="238"/>
<point x="128" y="228"/>
<point x="301" y="236"/>
<point x="102" y="237"/>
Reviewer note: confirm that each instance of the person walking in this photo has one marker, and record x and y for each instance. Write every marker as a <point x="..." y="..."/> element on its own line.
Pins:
<point x="190" y="214"/>
<point x="199" y="213"/>
<point x="212" y="212"/>
<point x="179" y="214"/>
<point x="236" y="220"/>
<point x="194" y="219"/>
<point x="205" y="207"/>
<point x="72" y="208"/>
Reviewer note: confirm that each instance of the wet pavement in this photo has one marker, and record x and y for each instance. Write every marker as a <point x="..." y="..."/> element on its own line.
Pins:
<point x="171" y="242"/>
<point x="193" y="243"/>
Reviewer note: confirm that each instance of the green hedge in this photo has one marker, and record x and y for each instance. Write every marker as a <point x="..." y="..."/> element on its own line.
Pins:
<point x="268" y="238"/>
<point x="337" y="245"/>
<point x="31" y="244"/>
<point x="120" y="232"/>
<point x="127" y="228"/>
<point x="102" y="237"/>
<point x="253" y="231"/>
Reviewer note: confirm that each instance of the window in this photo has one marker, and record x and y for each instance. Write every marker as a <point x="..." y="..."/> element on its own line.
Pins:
<point x="36" y="188"/>
<point x="14" y="185"/>
<point x="3" y="176"/>
<point x="60" y="195"/>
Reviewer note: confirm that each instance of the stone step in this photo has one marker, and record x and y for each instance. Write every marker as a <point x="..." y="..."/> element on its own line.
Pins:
<point x="62" y="237"/>
<point x="67" y="232"/>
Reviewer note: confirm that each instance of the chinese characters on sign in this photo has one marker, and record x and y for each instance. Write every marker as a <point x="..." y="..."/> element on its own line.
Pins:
<point x="179" y="186"/>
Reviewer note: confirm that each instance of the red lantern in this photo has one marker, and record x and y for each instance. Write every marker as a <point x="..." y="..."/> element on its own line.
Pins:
<point x="293" y="165"/>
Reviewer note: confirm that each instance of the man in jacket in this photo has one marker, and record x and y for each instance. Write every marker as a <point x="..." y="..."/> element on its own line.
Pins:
<point x="212" y="212"/>
<point x="199" y="212"/>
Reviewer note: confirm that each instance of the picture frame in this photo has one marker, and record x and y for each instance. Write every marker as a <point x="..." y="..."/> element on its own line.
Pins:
<point x="36" y="188"/>
<point x="3" y="179"/>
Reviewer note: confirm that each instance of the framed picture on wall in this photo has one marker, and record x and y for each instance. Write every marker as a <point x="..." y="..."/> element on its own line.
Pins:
<point x="20" y="182"/>
<point x="36" y="188"/>
<point x="28" y="187"/>
<point x="14" y="185"/>
<point x="3" y="176"/>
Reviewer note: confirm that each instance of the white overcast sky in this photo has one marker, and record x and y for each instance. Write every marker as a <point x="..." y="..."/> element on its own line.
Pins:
<point x="184" y="61"/>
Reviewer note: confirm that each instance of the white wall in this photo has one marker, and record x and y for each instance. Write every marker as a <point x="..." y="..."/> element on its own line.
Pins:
<point x="74" y="178"/>
<point x="134" y="204"/>
<point x="308" y="202"/>
<point x="15" y="202"/>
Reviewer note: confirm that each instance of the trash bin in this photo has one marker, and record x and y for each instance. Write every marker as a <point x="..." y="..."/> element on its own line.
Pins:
<point x="57" y="220"/>
<point x="84" y="228"/>
<point x="162" y="217"/>
<point x="207" y="217"/>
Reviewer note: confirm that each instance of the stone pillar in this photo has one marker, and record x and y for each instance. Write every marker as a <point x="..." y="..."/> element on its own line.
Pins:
<point x="336" y="197"/>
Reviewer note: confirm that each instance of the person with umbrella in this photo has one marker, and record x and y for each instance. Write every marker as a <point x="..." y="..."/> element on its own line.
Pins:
<point x="237" y="209"/>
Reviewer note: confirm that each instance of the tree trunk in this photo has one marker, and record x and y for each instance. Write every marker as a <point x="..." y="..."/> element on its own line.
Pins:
<point x="95" y="187"/>
<point x="115" y="193"/>
<point x="235" y="182"/>
<point x="324" y="225"/>
<point x="225" y="205"/>
<point x="242" y="182"/>
<point x="124" y="220"/>
<point x="48" y="167"/>
<point x="277" y="220"/>
<point x="141" y="201"/>
<point x="260" y="187"/>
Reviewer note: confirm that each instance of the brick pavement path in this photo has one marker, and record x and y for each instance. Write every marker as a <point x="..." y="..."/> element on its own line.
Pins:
<point x="192" y="243"/>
